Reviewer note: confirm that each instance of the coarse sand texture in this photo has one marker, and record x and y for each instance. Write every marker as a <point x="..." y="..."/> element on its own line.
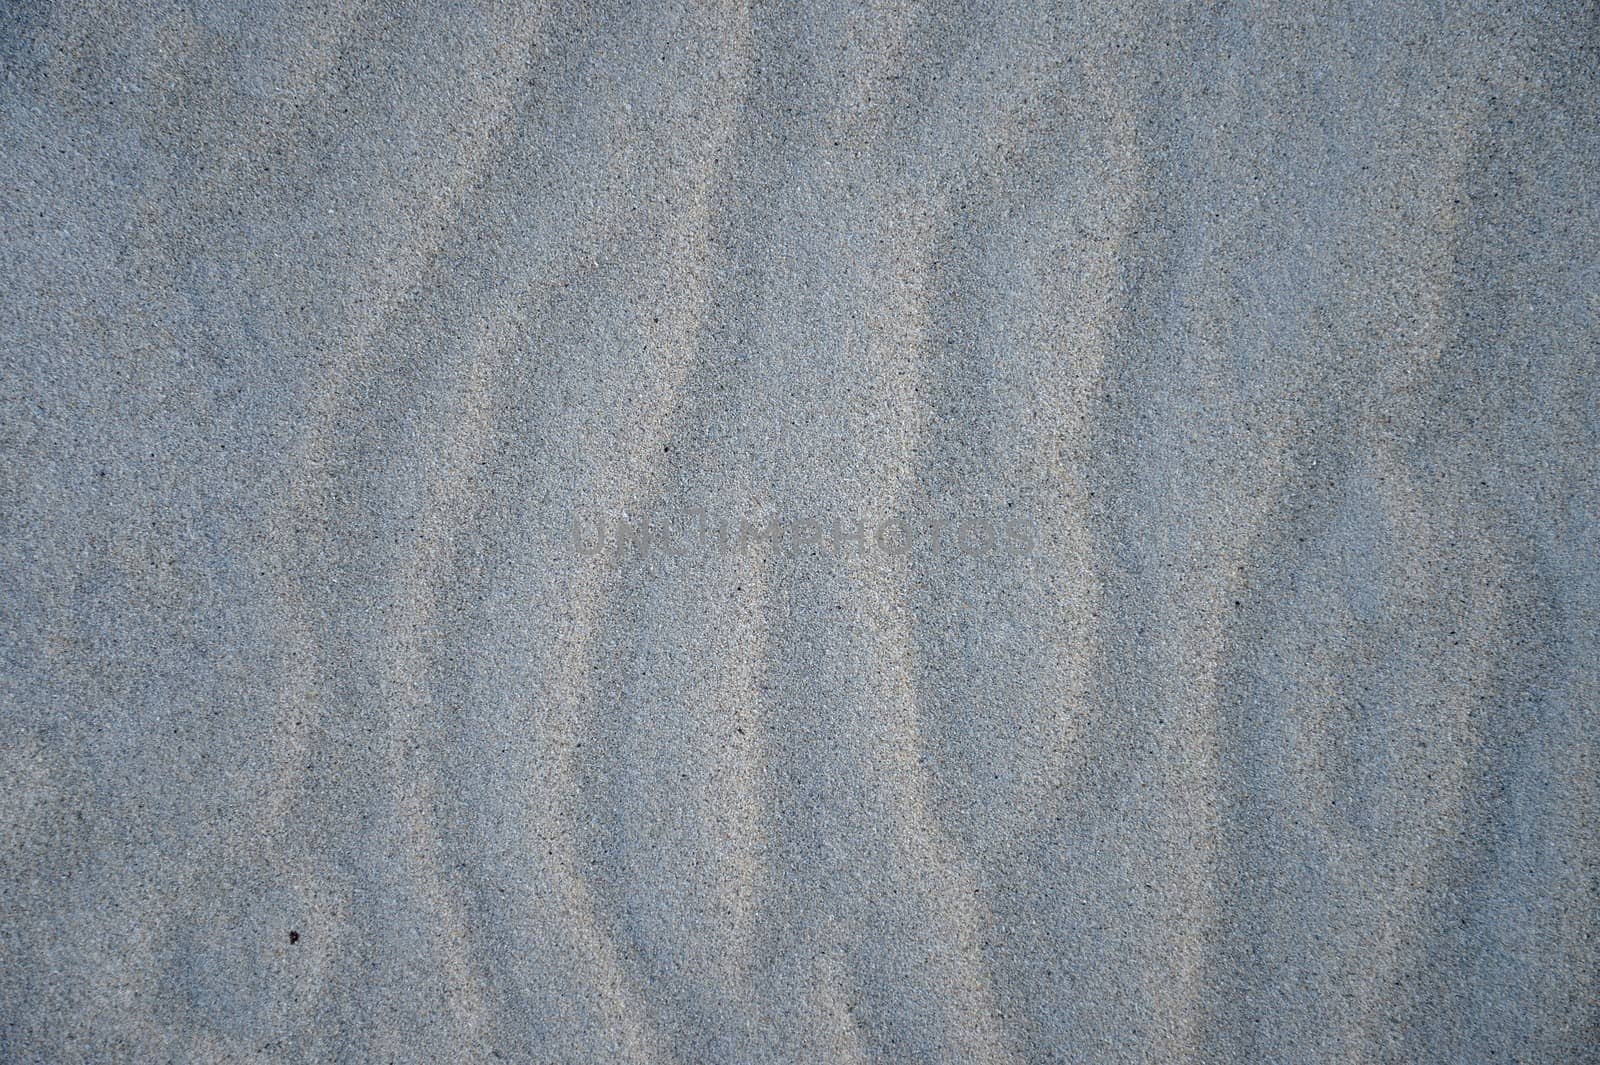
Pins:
<point x="811" y="533"/>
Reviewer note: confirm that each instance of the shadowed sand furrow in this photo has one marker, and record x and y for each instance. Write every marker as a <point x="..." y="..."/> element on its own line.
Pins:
<point x="1382" y="718"/>
<point x="600" y="963"/>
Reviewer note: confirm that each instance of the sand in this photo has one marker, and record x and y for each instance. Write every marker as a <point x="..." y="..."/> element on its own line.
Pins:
<point x="323" y="740"/>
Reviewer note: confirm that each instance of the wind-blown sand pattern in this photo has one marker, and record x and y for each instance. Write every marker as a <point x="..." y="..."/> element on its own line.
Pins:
<point x="323" y="741"/>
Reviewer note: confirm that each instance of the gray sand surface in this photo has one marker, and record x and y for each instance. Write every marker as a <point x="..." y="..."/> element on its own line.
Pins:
<point x="322" y="739"/>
